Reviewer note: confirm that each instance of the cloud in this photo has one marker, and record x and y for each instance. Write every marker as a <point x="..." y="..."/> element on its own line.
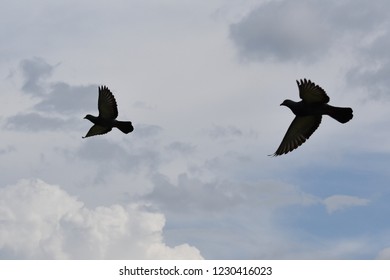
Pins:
<point x="147" y="130"/>
<point x="214" y="213"/>
<point x="42" y="221"/>
<point x="6" y="150"/>
<point x="282" y="30"/>
<point x="64" y="98"/>
<point x="58" y="97"/>
<point x="384" y="254"/>
<point x="229" y="131"/>
<point x="181" y="147"/>
<point x="218" y="131"/>
<point x="339" y="202"/>
<point x="58" y="101"/>
<point x="303" y="30"/>
<point x="34" y="71"/>
<point x="215" y="185"/>
<point x="35" y="122"/>
<point x="372" y="67"/>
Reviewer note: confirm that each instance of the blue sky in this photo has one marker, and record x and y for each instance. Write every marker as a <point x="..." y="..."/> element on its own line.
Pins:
<point x="202" y="83"/>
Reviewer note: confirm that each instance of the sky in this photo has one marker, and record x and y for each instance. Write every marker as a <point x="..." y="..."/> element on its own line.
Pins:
<point x="202" y="82"/>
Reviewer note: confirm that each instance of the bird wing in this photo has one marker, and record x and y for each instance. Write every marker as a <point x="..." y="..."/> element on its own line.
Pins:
<point x="96" y="130"/>
<point x="108" y="108"/>
<point x="309" y="92"/>
<point x="299" y="131"/>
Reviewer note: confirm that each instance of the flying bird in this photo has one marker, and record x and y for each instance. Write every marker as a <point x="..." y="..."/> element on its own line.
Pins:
<point x="308" y="114"/>
<point x="108" y="112"/>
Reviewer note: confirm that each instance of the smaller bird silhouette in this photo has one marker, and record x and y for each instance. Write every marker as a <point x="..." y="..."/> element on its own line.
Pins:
<point x="108" y="112"/>
<point x="308" y="115"/>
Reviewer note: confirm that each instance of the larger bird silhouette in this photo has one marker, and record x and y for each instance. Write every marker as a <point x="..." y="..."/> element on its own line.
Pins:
<point x="108" y="112"/>
<point x="308" y="115"/>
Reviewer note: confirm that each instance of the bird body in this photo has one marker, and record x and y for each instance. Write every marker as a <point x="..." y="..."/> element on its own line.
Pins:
<point x="308" y="115"/>
<point x="108" y="112"/>
<point x="301" y="109"/>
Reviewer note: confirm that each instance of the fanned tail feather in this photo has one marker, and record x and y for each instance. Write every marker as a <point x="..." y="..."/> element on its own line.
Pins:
<point x="342" y="115"/>
<point x="125" y="127"/>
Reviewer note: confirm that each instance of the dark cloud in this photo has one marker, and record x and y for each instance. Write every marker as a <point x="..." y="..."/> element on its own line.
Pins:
<point x="64" y="98"/>
<point x="7" y="149"/>
<point x="57" y="97"/>
<point x="102" y="150"/>
<point x="111" y="157"/>
<point x="34" y="71"/>
<point x="213" y="213"/>
<point x="282" y="30"/>
<point x="58" y="101"/>
<point x="35" y="122"/>
<point x="191" y="194"/>
<point x="303" y="30"/>
<point x="372" y="69"/>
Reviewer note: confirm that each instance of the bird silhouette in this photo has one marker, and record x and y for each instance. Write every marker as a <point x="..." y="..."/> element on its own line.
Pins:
<point x="108" y="112"/>
<point x="308" y="115"/>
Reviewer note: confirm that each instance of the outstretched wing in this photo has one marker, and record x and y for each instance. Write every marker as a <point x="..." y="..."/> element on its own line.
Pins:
<point x="299" y="131"/>
<point x="108" y="108"/>
<point x="96" y="130"/>
<point x="309" y="92"/>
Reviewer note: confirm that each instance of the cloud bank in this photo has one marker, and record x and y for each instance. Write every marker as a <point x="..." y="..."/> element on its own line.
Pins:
<point x="42" y="221"/>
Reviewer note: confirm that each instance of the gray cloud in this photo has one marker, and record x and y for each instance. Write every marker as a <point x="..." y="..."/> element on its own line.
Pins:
<point x="34" y="71"/>
<point x="214" y="213"/>
<point x="181" y="147"/>
<point x="303" y="30"/>
<point x="35" y="122"/>
<point x="147" y="130"/>
<point x="229" y="132"/>
<point x="219" y="131"/>
<point x="64" y="98"/>
<point x="58" y="97"/>
<point x="7" y="149"/>
<point x="111" y="157"/>
<point x="372" y="69"/>
<point x="213" y="196"/>
<point x="282" y="30"/>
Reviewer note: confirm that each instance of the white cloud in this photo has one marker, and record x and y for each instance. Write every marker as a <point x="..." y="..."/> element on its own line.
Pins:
<point x="42" y="221"/>
<point x="340" y="202"/>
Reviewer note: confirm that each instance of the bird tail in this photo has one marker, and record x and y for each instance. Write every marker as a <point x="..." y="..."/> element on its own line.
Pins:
<point x="125" y="127"/>
<point x="342" y="115"/>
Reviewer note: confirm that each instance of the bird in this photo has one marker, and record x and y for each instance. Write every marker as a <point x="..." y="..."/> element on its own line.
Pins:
<point x="108" y="112"/>
<point x="308" y="115"/>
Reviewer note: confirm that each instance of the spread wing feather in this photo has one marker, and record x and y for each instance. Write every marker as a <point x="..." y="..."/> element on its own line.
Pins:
<point x="299" y="131"/>
<point x="108" y="108"/>
<point x="309" y="92"/>
<point x="96" y="130"/>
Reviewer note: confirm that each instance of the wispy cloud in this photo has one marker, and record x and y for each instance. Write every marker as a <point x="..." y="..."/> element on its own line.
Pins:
<point x="340" y="202"/>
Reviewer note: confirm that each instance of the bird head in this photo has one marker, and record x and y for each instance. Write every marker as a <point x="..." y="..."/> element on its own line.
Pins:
<point x="88" y="117"/>
<point x="287" y="103"/>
